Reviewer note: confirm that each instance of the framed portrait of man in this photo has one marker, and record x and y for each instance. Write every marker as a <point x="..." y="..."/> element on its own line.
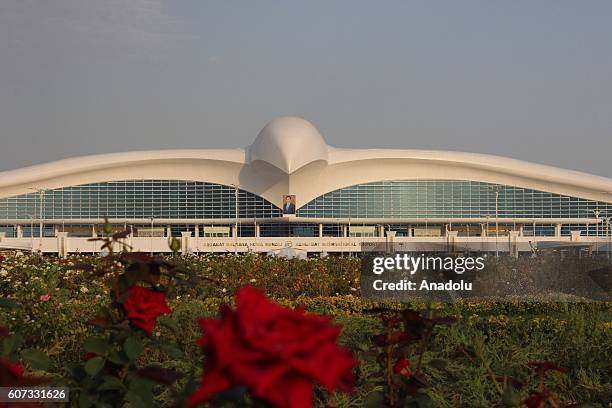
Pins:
<point x="289" y="204"/>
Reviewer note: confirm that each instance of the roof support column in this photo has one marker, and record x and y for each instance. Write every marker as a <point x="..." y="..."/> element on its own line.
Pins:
<point x="557" y="230"/>
<point x="320" y="230"/>
<point x="451" y="238"/>
<point x="62" y="244"/>
<point x="514" y="243"/>
<point x="185" y="242"/>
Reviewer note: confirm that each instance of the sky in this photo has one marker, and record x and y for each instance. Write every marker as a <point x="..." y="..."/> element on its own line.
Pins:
<point x="524" y="79"/>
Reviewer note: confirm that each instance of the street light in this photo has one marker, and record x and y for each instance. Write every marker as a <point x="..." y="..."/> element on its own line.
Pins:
<point x="235" y="218"/>
<point x="31" y="230"/>
<point x="496" y="222"/>
<point x="597" y="212"/>
<point x="608" y="236"/>
<point x="151" y="237"/>
<point x="31" y="217"/>
<point x="496" y="188"/>
<point x="41" y="194"/>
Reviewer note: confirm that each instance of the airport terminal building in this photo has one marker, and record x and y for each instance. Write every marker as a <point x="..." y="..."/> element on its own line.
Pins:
<point x="289" y="189"/>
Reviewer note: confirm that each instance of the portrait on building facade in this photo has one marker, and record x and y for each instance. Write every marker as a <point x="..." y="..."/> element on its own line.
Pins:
<point x="289" y="204"/>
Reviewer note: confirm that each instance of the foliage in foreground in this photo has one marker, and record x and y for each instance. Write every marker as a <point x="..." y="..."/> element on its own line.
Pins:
<point x="461" y="364"/>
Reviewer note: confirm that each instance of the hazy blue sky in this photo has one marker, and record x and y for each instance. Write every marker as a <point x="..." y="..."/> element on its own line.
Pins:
<point x="525" y="79"/>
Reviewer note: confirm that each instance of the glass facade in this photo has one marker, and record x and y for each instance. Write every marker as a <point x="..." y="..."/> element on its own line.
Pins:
<point x="421" y="199"/>
<point x="446" y="199"/>
<point x="140" y="199"/>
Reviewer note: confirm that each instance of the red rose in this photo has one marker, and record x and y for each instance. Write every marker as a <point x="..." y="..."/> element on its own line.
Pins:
<point x="89" y="355"/>
<point x="143" y="306"/>
<point x="14" y="369"/>
<point x="11" y="375"/>
<point x="402" y="367"/>
<point x="278" y="353"/>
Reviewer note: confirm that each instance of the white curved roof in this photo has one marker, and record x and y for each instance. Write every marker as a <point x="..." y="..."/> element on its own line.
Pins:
<point x="301" y="163"/>
<point x="288" y="143"/>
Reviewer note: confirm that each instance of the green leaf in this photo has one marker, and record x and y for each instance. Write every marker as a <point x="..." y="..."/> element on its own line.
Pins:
<point x="171" y="350"/>
<point x="133" y="348"/>
<point x="97" y="345"/>
<point x="135" y="400"/>
<point x="143" y="389"/>
<point x="169" y="323"/>
<point x="11" y="344"/>
<point x="36" y="359"/>
<point x="94" y="365"/>
<point x="140" y="385"/>
<point x="85" y="400"/>
<point x="374" y="400"/>
<point x="438" y="363"/>
<point x="118" y="358"/>
<point x="111" y="383"/>
<point x="9" y="304"/>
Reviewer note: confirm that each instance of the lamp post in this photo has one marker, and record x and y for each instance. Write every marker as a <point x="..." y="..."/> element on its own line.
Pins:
<point x="496" y="222"/>
<point x="486" y="234"/>
<point x="41" y="195"/>
<point x="597" y="212"/>
<point x="236" y="214"/>
<point x="151" y="237"/>
<point x="31" y="217"/>
<point x="608" y="236"/>
<point x="31" y="231"/>
<point x="496" y="188"/>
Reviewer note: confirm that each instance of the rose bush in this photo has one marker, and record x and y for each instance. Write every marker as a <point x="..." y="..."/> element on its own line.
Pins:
<point x="117" y="362"/>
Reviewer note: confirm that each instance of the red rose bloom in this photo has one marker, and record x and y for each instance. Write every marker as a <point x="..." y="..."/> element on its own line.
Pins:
<point x="11" y="375"/>
<point x="402" y="367"/>
<point x="89" y="355"/>
<point x="278" y="353"/>
<point x="11" y="368"/>
<point x="17" y="369"/>
<point x="143" y="306"/>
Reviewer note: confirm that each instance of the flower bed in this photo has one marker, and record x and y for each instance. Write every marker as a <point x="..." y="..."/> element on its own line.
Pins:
<point x="49" y="302"/>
